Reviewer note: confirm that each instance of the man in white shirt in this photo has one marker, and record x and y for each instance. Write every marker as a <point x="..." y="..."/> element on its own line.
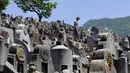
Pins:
<point x="76" y="33"/>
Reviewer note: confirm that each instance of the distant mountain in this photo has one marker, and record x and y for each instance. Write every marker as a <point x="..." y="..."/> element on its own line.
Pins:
<point x="118" y="25"/>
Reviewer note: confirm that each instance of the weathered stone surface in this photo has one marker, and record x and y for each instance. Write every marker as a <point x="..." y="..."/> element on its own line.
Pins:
<point x="97" y="65"/>
<point x="48" y="34"/>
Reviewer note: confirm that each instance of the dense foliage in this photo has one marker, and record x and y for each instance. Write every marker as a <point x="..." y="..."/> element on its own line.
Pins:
<point x="41" y="7"/>
<point x="118" y="25"/>
<point x="3" y="5"/>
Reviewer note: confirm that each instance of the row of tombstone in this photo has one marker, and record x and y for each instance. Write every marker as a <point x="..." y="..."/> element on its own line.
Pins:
<point x="26" y="48"/>
<point x="29" y="42"/>
<point x="52" y="29"/>
<point x="45" y="59"/>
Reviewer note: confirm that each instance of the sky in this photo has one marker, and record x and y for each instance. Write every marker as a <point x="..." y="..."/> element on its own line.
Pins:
<point x="68" y="10"/>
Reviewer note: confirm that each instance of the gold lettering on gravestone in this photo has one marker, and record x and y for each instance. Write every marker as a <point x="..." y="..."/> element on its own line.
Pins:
<point x="35" y="36"/>
<point x="20" y="53"/>
<point x="109" y="61"/>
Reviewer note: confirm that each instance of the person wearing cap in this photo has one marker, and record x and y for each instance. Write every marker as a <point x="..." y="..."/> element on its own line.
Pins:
<point x="76" y="33"/>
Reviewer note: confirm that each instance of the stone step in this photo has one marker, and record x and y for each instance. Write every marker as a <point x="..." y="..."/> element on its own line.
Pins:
<point x="78" y="45"/>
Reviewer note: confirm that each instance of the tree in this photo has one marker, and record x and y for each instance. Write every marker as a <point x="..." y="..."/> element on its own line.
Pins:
<point x="3" y="5"/>
<point x="41" y="7"/>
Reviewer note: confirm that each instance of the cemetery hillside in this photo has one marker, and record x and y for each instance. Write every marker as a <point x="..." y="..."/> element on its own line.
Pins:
<point x="29" y="45"/>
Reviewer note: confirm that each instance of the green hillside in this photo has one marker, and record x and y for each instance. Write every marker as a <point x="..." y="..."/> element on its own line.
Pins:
<point x="118" y="25"/>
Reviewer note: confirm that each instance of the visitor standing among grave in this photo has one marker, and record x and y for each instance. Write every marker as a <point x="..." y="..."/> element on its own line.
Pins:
<point x="76" y="32"/>
<point x="94" y="34"/>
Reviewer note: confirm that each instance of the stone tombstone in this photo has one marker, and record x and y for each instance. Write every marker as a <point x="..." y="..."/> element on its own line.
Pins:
<point x="36" y="35"/>
<point x="102" y="62"/>
<point x="41" y="59"/>
<point x="3" y="54"/>
<point x="61" y="58"/>
<point x="47" y="42"/>
<point x="122" y="65"/>
<point x="76" y="63"/>
<point x="108" y="40"/>
<point x="21" y="33"/>
<point x="31" y="30"/>
<point x="62" y="35"/>
<point x="17" y="57"/>
<point x="54" y="40"/>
